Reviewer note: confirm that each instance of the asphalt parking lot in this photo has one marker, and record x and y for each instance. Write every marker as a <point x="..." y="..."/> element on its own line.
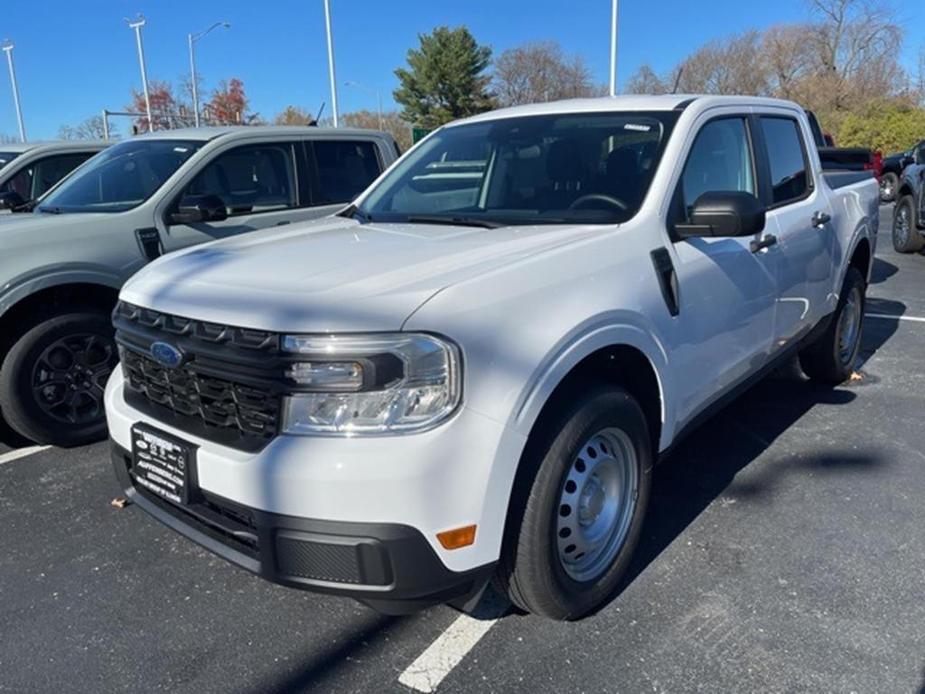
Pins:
<point x="784" y="552"/>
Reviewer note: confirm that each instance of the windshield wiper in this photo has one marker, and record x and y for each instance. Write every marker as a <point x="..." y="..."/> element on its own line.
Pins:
<point x="454" y="221"/>
<point x="50" y="210"/>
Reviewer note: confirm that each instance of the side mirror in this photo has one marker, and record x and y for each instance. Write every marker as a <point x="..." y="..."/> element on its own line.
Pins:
<point x="918" y="156"/>
<point x="10" y="200"/>
<point x="725" y="213"/>
<point x="199" y="208"/>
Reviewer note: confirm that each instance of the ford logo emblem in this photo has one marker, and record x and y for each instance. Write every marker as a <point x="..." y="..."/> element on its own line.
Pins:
<point x="166" y="354"/>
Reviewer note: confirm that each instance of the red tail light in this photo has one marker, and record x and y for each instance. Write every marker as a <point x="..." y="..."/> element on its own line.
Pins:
<point x="875" y="164"/>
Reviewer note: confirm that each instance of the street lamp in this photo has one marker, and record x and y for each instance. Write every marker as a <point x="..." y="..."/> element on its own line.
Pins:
<point x="8" y="49"/>
<point x="613" y="47"/>
<point x="327" y="24"/>
<point x="136" y="25"/>
<point x="351" y="83"/>
<point x="193" y="38"/>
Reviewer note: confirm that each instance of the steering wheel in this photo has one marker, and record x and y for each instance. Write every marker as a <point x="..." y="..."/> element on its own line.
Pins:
<point x="581" y="202"/>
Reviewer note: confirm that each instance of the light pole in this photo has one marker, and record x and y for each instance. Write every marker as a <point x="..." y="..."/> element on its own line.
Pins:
<point x="327" y="23"/>
<point x="193" y="38"/>
<point x="351" y="83"/>
<point x="136" y="25"/>
<point x="613" y="48"/>
<point x="8" y="49"/>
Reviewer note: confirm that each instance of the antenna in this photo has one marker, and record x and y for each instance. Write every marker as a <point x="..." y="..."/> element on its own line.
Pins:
<point x="320" y="111"/>
<point x="677" y="80"/>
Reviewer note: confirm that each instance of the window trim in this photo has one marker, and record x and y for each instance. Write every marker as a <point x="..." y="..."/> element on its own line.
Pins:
<point x="768" y="200"/>
<point x="676" y="206"/>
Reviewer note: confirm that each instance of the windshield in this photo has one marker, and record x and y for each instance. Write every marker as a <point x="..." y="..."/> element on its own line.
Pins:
<point x="121" y="177"/>
<point x="7" y="157"/>
<point x="565" y="168"/>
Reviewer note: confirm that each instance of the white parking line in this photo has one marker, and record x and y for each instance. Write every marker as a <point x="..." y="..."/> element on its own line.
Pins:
<point x="21" y="453"/>
<point x="427" y="672"/>
<point x="886" y="316"/>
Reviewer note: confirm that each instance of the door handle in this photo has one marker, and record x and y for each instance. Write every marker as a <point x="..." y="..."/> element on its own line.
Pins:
<point x="764" y="242"/>
<point x="820" y="219"/>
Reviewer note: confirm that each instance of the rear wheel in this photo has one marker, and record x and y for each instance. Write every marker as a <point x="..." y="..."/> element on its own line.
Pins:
<point x="889" y="184"/>
<point x="906" y="238"/>
<point x="53" y="378"/>
<point x="574" y="528"/>
<point x="832" y="357"/>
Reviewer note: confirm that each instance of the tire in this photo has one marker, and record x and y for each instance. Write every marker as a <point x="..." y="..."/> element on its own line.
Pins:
<point x="53" y="377"/>
<point x="831" y="358"/>
<point x="889" y="184"/>
<point x="536" y="569"/>
<point x="906" y="237"/>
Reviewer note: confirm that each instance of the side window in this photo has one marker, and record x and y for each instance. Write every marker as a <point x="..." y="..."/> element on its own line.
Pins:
<point x="50" y="170"/>
<point x="786" y="158"/>
<point x="345" y="169"/>
<point x="249" y="179"/>
<point x="719" y="161"/>
<point x="21" y="183"/>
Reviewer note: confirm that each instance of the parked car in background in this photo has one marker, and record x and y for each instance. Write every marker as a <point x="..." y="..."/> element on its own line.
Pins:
<point x="29" y="170"/>
<point x="61" y="266"/>
<point x="893" y="167"/>
<point x="843" y="158"/>
<point x="471" y="371"/>
<point x="909" y="214"/>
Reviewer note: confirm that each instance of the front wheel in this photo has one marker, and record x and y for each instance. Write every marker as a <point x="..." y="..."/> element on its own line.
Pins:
<point x="906" y="238"/>
<point x="574" y="527"/>
<point x="53" y="378"/>
<point x="831" y="358"/>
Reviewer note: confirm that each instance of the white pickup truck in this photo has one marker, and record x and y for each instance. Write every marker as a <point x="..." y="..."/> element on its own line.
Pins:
<point x="469" y="373"/>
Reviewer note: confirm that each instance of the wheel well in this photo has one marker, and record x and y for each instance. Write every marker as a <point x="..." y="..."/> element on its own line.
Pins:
<point x="619" y="365"/>
<point x="904" y="189"/>
<point x="861" y="258"/>
<point x="29" y="311"/>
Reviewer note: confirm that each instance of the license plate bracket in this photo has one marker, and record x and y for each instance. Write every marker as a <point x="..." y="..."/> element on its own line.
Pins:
<point x="163" y="464"/>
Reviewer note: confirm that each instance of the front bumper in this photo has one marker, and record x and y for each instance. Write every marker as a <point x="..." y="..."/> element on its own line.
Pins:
<point x="390" y="567"/>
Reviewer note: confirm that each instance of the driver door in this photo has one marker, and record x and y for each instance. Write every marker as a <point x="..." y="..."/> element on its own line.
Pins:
<point x="726" y="292"/>
<point x="257" y="183"/>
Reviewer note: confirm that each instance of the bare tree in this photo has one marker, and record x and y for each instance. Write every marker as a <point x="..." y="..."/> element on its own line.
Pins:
<point x="293" y="115"/>
<point x="392" y="123"/>
<point x="89" y="129"/>
<point x="646" y="81"/>
<point x="788" y="56"/>
<point x="539" y="72"/>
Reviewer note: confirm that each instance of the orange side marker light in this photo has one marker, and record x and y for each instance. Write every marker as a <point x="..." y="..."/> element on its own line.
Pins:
<point x="458" y="537"/>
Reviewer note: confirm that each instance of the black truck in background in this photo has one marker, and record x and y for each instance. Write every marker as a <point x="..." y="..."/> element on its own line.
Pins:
<point x="893" y="167"/>
<point x="909" y="215"/>
<point x="843" y="158"/>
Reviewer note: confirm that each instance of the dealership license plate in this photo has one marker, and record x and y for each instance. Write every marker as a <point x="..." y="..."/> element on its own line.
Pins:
<point x="161" y="463"/>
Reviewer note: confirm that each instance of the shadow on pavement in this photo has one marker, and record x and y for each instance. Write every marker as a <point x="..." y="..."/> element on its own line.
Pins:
<point x="704" y="466"/>
<point x="10" y="438"/>
<point x="882" y="271"/>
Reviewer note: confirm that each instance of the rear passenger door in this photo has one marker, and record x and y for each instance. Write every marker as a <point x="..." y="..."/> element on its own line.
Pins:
<point x="340" y="169"/>
<point x="799" y="215"/>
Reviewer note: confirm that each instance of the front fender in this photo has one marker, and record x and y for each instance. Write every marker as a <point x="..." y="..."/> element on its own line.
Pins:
<point x="28" y="283"/>
<point x="598" y="333"/>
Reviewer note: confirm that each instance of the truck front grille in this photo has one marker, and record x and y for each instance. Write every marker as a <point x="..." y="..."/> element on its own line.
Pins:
<point x="228" y="388"/>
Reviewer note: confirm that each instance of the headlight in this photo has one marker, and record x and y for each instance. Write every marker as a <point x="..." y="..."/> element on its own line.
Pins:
<point x="370" y="384"/>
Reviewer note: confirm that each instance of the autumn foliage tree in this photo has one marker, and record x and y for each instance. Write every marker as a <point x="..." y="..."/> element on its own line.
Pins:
<point x="163" y="107"/>
<point x="228" y="105"/>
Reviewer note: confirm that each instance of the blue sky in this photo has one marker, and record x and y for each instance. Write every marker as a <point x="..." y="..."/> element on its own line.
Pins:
<point x="76" y="57"/>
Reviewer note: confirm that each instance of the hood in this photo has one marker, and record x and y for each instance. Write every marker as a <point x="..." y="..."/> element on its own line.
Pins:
<point x="332" y="275"/>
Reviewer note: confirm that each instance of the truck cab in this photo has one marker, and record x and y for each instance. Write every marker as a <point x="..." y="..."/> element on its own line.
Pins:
<point x="63" y="264"/>
<point x="909" y="212"/>
<point x="29" y="170"/>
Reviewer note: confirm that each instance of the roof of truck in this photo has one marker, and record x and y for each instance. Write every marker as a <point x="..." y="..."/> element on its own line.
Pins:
<point x="630" y="102"/>
<point x="211" y="132"/>
<point x="59" y="145"/>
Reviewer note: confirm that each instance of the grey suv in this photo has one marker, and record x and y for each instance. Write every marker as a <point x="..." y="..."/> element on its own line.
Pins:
<point x="61" y="267"/>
